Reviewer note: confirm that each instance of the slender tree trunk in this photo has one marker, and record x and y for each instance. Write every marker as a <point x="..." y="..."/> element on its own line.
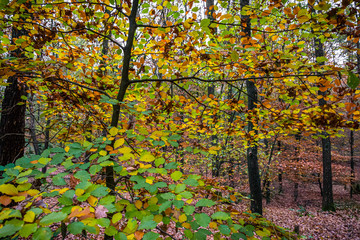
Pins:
<point x="352" y="162"/>
<point x="280" y="177"/>
<point x="12" y="124"/>
<point x="252" y="151"/>
<point x="327" y="198"/>
<point x="32" y="128"/>
<point x="110" y="181"/>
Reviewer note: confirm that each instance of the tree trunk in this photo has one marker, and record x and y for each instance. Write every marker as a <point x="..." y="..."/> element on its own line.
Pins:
<point x="110" y="181"/>
<point x="280" y="178"/>
<point x="12" y="124"/>
<point x="327" y="198"/>
<point x="252" y="151"/>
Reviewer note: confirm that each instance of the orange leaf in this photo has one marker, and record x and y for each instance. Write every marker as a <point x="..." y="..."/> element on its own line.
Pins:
<point x="5" y="200"/>
<point x="139" y="235"/>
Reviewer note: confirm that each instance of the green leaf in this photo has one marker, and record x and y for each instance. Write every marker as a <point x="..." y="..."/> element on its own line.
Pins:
<point x="176" y="175"/>
<point x="220" y="216"/>
<point x="159" y="161"/>
<point x="234" y="56"/>
<point x="165" y="206"/>
<point x="180" y="188"/>
<point x="147" y="223"/>
<point x="131" y="226"/>
<point x="53" y="218"/>
<point x="205" y="203"/>
<point x="120" y="236"/>
<point x="43" y="234"/>
<point x="28" y="229"/>
<point x="202" y="219"/>
<point x="150" y="236"/>
<point x="188" y="210"/>
<point x="111" y="231"/>
<point x="11" y="227"/>
<point x="76" y="227"/>
<point x="104" y="222"/>
<point x="353" y="81"/>
<point x="321" y="59"/>
<point x="224" y="229"/>
<point x="168" y="196"/>
<point x="100" y="191"/>
<point x="94" y="169"/>
<point x="191" y="182"/>
<point x="82" y="175"/>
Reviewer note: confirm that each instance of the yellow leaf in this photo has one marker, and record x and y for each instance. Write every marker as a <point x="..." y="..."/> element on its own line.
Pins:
<point x="8" y="189"/>
<point x="113" y="131"/>
<point x="186" y="225"/>
<point x="18" y="198"/>
<point x="213" y="225"/>
<point x="119" y="142"/>
<point x="79" y="192"/>
<point x="158" y="218"/>
<point x="182" y="218"/>
<point x="92" y="201"/>
<point x="274" y="37"/>
<point x="303" y="18"/>
<point x="138" y="204"/>
<point x="117" y="217"/>
<point x="125" y="150"/>
<point x="225" y="16"/>
<point x="149" y="181"/>
<point x="45" y="210"/>
<point x="102" y="152"/>
<point x="148" y="157"/>
<point x="67" y="148"/>
<point x="29" y="216"/>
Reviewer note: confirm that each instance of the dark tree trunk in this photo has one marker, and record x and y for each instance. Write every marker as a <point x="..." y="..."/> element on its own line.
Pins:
<point x="12" y="124"/>
<point x="280" y="178"/>
<point x="252" y="151"/>
<point x="32" y="128"/>
<point x="327" y="198"/>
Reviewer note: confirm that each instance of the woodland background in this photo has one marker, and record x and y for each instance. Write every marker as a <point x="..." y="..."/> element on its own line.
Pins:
<point x="179" y="119"/>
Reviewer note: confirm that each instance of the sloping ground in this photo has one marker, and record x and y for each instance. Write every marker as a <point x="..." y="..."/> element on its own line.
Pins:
<point x="307" y="216"/>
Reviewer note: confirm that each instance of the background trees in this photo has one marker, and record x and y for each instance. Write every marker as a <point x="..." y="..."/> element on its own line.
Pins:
<point x="123" y="90"/>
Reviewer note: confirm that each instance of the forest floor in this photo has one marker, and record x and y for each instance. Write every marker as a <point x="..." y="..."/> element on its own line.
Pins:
<point x="307" y="215"/>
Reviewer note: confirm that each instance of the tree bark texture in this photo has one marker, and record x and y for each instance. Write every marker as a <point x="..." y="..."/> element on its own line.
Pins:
<point x="12" y="123"/>
<point x="327" y="198"/>
<point x="252" y="151"/>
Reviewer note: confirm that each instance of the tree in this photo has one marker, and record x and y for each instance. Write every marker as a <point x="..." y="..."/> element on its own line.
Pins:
<point x="12" y="124"/>
<point x="252" y="151"/>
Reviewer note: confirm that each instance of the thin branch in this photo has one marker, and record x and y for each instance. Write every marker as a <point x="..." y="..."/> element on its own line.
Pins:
<point x="202" y="104"/>
<point x="222" y="80"/>
<point x="78" y="84"/>
<point x="153" y="26"/>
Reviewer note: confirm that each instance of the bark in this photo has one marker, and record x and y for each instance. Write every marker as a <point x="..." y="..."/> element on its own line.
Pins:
<point x="280" y="172"/>
<point x="32" y="128"/>
<point x="110" y="181"/>
<point x="12" y="124"/>
<point x="252" y="151"/>
<point x="327" y="198"/>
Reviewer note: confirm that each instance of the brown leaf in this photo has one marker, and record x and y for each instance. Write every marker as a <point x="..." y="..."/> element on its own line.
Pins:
<point x="139" y="235"/>
<point x="5" y="200"/>
<point x="100" y="212"/>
